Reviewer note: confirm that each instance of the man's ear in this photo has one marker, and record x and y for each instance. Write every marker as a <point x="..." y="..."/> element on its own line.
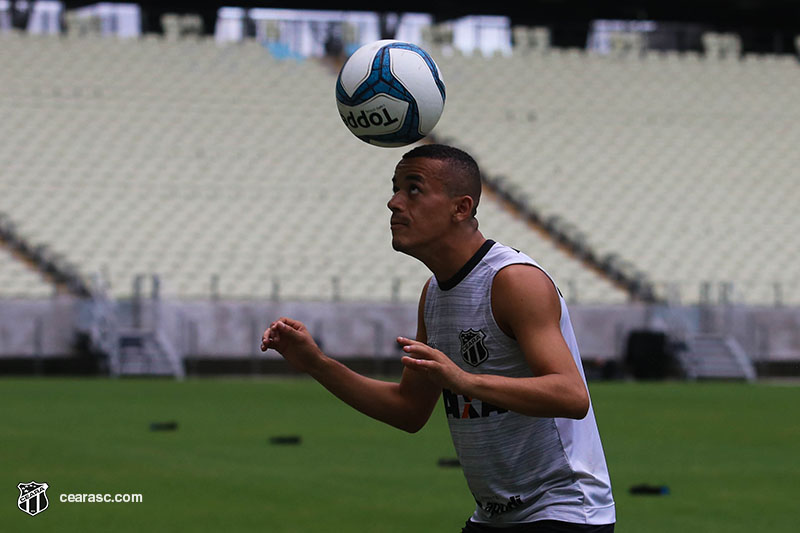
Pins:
<point x="462" y="208"/>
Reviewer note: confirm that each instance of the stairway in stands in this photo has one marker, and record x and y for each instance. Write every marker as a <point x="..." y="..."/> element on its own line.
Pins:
<point x="716" y="357"/>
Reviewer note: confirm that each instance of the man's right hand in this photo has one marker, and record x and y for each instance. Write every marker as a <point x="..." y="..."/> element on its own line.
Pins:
<point x="292" y="340"/>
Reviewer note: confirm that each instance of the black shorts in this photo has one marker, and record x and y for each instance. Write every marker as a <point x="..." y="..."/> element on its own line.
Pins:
<point x="541" y="526"/>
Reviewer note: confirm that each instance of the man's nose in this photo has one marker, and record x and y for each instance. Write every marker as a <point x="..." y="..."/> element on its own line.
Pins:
<point x="394" y="203"/>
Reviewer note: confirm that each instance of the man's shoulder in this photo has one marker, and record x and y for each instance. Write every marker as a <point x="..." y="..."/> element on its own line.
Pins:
<point x="503" y="254"/>
<point x="522" y="278"/>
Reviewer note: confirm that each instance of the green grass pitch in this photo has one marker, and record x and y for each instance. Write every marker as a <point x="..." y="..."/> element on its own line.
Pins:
<point x="727" y="452"/>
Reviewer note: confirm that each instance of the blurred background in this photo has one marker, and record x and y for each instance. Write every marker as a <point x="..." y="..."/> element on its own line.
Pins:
<point x="172" y="179"/>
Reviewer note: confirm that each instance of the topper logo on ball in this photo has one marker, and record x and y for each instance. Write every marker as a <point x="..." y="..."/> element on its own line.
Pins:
<point x="380" y="115"/>
<point x="376" y="118"/>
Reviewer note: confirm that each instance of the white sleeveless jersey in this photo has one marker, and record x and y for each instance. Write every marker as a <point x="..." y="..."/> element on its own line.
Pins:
<point x="519" y="468"/>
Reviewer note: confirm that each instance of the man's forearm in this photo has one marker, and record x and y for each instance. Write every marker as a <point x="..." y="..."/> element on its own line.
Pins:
<point x="553" y="395"/>
<point x="382" y="400"/>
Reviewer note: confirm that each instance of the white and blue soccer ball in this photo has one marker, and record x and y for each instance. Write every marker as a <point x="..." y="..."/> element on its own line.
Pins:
<point x="390" y="93"/>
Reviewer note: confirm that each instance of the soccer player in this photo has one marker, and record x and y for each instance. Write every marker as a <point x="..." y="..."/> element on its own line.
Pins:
<point x="494" y="339"/>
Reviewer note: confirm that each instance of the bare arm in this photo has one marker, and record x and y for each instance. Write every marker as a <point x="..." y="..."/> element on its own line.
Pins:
<point x="526" y="307"/>
<point x="406" y="405"/>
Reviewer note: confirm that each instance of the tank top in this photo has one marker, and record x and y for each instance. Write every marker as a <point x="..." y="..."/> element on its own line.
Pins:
<point x="519" y="468"/>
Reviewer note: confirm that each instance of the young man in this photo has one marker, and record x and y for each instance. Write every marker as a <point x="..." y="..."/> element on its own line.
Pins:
<point x="495" y="340"/>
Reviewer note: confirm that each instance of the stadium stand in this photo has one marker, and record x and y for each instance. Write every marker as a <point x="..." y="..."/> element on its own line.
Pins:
<point x="165" y="156"/>
<point x="214" y="168"/>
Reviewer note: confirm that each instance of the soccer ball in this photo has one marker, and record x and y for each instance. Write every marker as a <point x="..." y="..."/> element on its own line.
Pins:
<point x="390" y="93"/>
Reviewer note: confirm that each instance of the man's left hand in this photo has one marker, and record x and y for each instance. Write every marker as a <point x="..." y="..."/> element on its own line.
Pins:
<point x="434" y="364"/>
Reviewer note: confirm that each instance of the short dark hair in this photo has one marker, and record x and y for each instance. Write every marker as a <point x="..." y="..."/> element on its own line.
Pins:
<point x="465" y="176"/>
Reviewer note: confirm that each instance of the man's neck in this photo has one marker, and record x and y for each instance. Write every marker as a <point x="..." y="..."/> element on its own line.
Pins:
<point x="448" y="258"/>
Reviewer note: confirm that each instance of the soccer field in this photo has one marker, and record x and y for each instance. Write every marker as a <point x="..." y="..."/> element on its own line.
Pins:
<point x="727" y="452"/>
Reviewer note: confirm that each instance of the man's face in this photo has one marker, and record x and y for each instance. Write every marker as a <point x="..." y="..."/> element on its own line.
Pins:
<point x="420" y="205"/>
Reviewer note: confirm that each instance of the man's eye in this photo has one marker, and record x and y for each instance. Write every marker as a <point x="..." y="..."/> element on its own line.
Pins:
<point x="413" y="189"/>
